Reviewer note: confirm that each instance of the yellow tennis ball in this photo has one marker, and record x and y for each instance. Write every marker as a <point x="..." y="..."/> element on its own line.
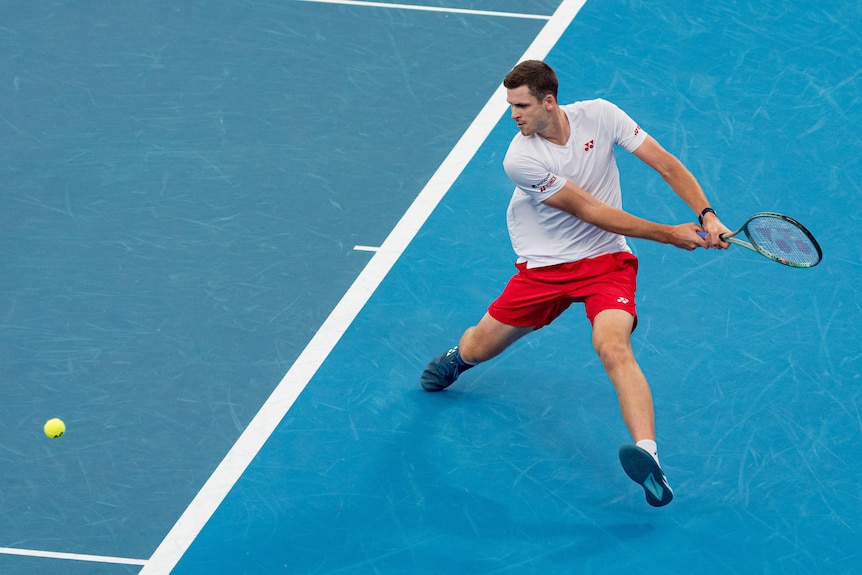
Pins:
<point x="54" y="428"/>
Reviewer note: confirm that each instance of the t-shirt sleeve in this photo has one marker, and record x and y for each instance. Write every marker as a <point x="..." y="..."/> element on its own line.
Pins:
<point x="627" y="134"/>
<point x="531" y="176"/>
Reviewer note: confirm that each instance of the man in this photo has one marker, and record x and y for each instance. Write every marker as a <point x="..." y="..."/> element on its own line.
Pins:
<point x="569" y="232"/>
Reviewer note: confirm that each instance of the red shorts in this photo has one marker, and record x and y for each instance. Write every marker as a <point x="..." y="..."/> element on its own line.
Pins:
<point x="536" y="297"/>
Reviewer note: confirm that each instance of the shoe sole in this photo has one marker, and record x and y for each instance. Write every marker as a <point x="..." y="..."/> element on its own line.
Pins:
<point x="643" y="470"/>
<point x="432" y="386"/>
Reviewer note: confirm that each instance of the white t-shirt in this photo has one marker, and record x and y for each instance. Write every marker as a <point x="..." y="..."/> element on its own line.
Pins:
<point x="542" y="235"/>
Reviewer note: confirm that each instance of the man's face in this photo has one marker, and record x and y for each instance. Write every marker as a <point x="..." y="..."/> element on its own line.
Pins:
<point x="530" y="114"/>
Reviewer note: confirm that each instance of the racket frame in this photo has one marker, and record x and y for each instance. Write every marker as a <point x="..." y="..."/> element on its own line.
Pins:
<point x="755" y="247"/>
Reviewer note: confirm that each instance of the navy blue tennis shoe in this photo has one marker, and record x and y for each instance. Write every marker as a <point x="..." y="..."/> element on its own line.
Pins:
<point x="643" y="470"/>
<point x="443" y="370"/>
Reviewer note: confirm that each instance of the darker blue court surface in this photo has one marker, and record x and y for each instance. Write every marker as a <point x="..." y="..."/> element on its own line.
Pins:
<point x="183" y="188"/>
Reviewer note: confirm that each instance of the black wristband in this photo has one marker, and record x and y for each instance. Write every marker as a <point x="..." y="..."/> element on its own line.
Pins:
<point x="703" y="213"/>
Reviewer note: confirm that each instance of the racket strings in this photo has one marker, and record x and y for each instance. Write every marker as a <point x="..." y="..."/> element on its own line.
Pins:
<point x="783" y="240"/>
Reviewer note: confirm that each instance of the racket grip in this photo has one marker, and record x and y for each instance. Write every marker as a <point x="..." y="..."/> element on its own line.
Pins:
<point x="703" y="234"/>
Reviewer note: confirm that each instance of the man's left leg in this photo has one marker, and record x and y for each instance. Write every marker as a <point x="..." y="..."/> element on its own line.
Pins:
<point x="612" y="330"/>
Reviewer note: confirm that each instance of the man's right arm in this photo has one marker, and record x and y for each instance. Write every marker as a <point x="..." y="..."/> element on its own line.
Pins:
<point x="576" y="201"/>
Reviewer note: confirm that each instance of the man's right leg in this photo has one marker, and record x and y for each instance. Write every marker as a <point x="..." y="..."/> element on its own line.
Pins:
<point x="479" y="343"/>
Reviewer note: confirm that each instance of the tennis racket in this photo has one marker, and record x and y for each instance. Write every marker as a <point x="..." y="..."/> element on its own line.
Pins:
<point x="778" y="237"/>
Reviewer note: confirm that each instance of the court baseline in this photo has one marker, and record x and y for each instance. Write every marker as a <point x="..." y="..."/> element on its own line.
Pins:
<point x="430" y="9"/>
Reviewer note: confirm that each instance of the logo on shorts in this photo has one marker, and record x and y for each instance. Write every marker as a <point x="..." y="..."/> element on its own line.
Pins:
<point x="622" y="300"/>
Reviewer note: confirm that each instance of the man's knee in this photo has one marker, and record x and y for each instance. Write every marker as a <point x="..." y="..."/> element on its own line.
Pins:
<point x="614" y="353"/>
<point x="488" y="339"/>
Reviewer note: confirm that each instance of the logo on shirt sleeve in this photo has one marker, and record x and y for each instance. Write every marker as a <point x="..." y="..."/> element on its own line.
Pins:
<point x="546" y="183"/>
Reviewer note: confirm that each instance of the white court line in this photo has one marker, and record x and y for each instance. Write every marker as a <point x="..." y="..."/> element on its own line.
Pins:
<point x="71" y="556"/>
<point x="205" y="503"/>
<point x="431" y="9"/>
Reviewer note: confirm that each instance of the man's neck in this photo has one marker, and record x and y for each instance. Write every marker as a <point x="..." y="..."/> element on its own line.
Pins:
<point x="558" y="132"/>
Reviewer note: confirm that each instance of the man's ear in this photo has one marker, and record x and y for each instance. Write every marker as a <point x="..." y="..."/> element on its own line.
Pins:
<point x="549" y="102"/>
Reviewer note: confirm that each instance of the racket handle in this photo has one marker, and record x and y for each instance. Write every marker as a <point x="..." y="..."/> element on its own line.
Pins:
<point x="723" y="237"/>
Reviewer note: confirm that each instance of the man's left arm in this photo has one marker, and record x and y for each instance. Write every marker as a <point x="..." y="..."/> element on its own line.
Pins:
<point x="686" y="186"/>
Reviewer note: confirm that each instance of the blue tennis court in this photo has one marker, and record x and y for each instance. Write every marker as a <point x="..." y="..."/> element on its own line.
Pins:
<point x="235" y="233"/>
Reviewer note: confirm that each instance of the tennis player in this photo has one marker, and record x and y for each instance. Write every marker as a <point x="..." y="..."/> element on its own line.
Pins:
<point x="569" y="231"/>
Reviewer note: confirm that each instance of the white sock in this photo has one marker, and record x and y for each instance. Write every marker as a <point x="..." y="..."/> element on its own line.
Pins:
<point x="650" y="447"/>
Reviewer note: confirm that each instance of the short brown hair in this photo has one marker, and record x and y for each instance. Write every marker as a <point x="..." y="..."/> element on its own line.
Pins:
<point x="536" y="75"/>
